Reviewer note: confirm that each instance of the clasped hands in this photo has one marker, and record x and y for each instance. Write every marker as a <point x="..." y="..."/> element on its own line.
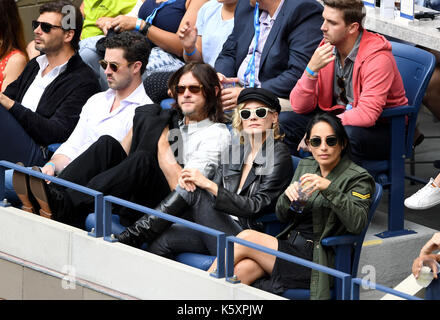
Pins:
<point x="309" y="183"/>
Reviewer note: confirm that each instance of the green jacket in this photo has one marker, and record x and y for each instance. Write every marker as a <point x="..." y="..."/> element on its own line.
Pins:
<point x="340" y="209"/>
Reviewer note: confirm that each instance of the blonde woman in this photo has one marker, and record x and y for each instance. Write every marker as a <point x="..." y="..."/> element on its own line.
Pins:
<point x="244" y="187"/>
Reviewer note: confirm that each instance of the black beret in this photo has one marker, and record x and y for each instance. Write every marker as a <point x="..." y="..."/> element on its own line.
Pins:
<point x="262" y="95"/>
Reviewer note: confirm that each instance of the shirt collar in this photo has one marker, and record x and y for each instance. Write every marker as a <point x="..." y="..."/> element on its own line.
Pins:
<point x="266" y="18"/>
<point x="43" y="62"/>
<point x="137" y="96"/>
<point x="354" y="51"/>
<point x="195" y="126"/>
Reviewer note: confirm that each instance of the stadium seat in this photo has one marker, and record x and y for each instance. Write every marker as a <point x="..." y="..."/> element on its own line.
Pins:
<point x="416" y="67"/>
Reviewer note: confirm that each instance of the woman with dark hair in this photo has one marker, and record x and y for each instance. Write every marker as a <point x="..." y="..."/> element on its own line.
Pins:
<point x="339" y="198"/>
<point x="13" y="56"/>
<point x="243" y="188"/>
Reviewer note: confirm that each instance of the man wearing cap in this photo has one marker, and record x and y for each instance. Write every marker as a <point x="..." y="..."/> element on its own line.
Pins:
<point x="245" y="186"/>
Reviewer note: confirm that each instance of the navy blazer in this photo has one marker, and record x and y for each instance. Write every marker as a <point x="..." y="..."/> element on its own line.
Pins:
<point x="291" y="42"/>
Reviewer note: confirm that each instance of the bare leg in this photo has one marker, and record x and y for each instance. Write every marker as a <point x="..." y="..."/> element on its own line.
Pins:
<point x="248" y="271"/>
<point x="264" y="261"/>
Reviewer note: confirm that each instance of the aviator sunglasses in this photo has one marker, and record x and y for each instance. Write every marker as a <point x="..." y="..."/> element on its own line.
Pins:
<point x="259" y="112"/>
<point x="113" y="65"/>
<point x="192" y="88"/>
<point x="46" y="27"/>
<point x="330" y="141"/>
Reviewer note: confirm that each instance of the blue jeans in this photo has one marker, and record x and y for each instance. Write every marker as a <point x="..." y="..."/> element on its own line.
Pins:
<point x="9" y="189"/>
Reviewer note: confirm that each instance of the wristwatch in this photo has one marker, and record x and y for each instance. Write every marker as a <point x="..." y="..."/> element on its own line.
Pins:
<point x="144" y="30"/>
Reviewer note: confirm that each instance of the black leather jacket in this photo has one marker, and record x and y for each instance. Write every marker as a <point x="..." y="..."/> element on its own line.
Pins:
<point x="269" y="176"/>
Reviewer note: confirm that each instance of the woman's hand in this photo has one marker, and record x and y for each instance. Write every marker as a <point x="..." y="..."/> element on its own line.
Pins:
<point x="188" y="36"/>
<point x="427" y="260"/>
<point x="432" y="245"/>
<point x="292" y="191"/>
<point x="104" y="23"/>
<point x="311" y="182"/>
<point x="195" y="177"/>
<point x="303" y="145"/>
<point x="123" y="23"/>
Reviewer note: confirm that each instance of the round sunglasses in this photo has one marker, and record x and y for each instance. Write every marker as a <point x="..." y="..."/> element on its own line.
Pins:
<point x="45" y="26"/>
<point x="113" y="65"/>
<point x="330" y="141"/>
<point x="180" y="89"/>
<point x="261" y="113"/>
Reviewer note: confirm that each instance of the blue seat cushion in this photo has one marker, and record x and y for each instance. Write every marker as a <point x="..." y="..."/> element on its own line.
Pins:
<point x="117" y="228"/>
<point x="196" y="260"/>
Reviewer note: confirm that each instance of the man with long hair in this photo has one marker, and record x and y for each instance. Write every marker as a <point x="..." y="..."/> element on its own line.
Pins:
<point x="145" y="166"/>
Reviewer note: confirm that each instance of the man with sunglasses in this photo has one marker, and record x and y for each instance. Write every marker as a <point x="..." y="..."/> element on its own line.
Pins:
<point x="145" y="166"/>
<point x="352" y="74"/>
<point x="43" y="105"/>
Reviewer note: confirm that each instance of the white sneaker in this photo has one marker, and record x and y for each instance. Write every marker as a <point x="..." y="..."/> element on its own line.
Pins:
<point x="425" y="198"/>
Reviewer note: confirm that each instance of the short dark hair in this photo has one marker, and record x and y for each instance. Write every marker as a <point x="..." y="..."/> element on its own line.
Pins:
<point x="353" y="10"/>
<point x="134" y="45"/>
<point x="338" y="128"/>
<point x="208" y="78"/>
<point x="62" y="7"/>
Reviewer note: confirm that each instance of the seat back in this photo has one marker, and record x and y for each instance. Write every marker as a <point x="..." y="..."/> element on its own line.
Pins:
<point x="358" y="245"/>
<point x="415" y="67"/>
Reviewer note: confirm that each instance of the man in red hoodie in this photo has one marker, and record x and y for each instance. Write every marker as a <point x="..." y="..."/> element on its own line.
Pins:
<point x="352" y="73"/>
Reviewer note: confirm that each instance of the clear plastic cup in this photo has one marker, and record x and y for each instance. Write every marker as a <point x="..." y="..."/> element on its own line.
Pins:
<point x="425" y="277"/>
<point x="299" y="204"/>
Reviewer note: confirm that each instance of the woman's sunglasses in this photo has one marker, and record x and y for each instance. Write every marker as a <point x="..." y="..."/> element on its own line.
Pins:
<point x="330" y="141"/>
<point x="113" y="65"/>
<point x="192" y="89"/>
<point x="259" y="112"/>
<point x="46" y="27"/>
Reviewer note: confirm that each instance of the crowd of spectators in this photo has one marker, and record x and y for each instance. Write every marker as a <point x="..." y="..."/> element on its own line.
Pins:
<point x="283" y="75"/>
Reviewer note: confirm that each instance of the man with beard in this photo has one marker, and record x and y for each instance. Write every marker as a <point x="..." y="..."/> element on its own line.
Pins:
<point x="43" y="105"/>
<point x="105" y="113"/>
<point x="353" y="74"/>
<point x="146" y="165"/>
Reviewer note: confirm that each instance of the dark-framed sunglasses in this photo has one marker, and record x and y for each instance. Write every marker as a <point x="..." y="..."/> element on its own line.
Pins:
<point x="113" y="65"/>
<point x="180" y="89"/>
<point x="260" y="112"/>
<point x="45" y="26"/>
<point x="316" y="141"/>
<point x="342" y="94"/>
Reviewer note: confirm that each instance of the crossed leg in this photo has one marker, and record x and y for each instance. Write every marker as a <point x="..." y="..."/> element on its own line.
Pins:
<point x="251" y="264"/>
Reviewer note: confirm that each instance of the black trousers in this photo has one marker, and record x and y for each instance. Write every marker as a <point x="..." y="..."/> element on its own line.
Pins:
<point x="363" y="141"/>
<point x="105" y="167"/>
<point x="179" y="238"/>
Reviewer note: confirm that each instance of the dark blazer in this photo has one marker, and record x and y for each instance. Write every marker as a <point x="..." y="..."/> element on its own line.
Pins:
<point x="291" y="42"/>
<point x="60" y="105"/>
<point x="269" y="177"/>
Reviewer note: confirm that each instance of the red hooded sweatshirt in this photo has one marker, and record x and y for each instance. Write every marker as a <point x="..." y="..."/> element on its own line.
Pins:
<point x="377" y="84"/>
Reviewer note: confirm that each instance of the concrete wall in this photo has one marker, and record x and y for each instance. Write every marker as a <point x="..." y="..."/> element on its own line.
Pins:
<point x="40" y="259"/>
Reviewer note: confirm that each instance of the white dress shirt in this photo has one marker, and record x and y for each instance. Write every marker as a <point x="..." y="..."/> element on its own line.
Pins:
<point x="33" y="94"/>
<point x="96" y="120"/>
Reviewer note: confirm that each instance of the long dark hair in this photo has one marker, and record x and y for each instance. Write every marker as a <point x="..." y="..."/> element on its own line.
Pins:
<point x="11" y="29"/>
<point x="208" y="78"/>
<point x="337" y="126"/>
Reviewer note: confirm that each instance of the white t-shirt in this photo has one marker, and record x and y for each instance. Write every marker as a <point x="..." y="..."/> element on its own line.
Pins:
<point x="213" y="30"/>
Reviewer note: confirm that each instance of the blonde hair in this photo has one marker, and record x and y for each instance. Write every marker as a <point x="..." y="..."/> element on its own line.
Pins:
<point x="237" y="124"/>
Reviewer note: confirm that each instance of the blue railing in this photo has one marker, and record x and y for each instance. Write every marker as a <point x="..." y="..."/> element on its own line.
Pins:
<point x="345" y="278"/>
<point x="98" y="196"/>
<point x="356" y="282"/>
<point x="221" y="237"/>
<point x="225" y="265"/>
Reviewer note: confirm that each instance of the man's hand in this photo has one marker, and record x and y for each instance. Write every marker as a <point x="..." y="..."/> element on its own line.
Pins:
<point x="6" y="102"/>
<point x="229" y="98"/>
<point x="322" y="56"/>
